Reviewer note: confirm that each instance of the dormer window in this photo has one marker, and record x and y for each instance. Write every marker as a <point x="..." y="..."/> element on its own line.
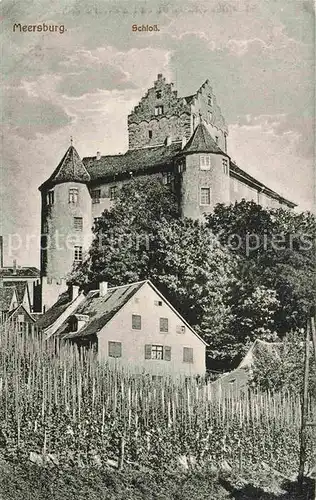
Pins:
<point x="205" y="162"/>
<point x="158" y="110"/>
<point x="158" y="94"/>
<point x="78" y="321"/>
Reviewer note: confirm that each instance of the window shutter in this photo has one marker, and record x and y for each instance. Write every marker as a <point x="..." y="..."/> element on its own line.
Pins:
<point x="187" y="355"/>
<point x="167" y="353"/>
<point x="148" y="351"/>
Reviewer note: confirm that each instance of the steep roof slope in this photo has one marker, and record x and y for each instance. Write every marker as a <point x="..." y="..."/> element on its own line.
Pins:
<point x="201" y="141"/>
<point x="70" y="169"/>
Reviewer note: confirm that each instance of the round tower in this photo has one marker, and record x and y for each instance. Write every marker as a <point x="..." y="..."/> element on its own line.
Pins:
<point x="66" y="218"/>
<point x="204" y="171"/>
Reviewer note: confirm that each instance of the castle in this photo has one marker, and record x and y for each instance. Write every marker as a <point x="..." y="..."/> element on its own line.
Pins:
<point x="181" y="140"/>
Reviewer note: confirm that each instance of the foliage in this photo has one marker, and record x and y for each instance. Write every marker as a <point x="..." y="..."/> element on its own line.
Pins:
<point x="276" y="249"/>
<point x="285" y="371"/>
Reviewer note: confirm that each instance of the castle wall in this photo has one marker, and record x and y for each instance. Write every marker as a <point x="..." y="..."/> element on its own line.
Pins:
<point x="147" y="128"/>
<point x="59" y="234"/>
<point x="193" y="179"/>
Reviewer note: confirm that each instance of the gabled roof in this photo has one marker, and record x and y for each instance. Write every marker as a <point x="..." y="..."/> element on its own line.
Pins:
<point x="201" y="141"/>
<point x="55" y="311"/>
<point x="102" y="309"/>
<point x="6" y="294"/>
<point x="70" y="169"/>
<point x="133" y="161"/>
<point x="19" y="272"/>
<point x="19" y="287"/>
<point x="19" y="308"/>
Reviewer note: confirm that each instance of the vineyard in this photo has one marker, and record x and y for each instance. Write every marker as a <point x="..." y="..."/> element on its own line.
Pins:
<point x="69" y="409"/>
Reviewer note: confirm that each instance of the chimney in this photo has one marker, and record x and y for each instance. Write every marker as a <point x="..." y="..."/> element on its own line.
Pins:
<point x="14" y="266"/>
<point x="1" y="252"/>
<point x="74" y="292"/>
<point x="98" y="155"/>
<point x="103" y="287"/>
<point x="159" y="77"/>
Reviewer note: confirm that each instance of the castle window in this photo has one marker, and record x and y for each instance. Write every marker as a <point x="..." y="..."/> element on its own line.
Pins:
<point x="225" y="166"/>
<point x="163" y="325"/>
<point x="235" y="185"/>
<point x="205" y="162"/>
<point x="210" y="115"/>
<point x="216" y="139"/>
<point x="187" y="355"/>
<point x="73" y="195"/>
<point x="150" y="134"/>
<point x="96" y="195"/>
<point x="115" y="349"/>
<point x="205" y="196"/>
<point x="78" y="254"/>
<point x="210" y="101"/>
<point x="50" y="197"/>
<point x="113" y="192"/>
<point x="158" y="110"/>
<point x="158" y="94"/>
<point x="78" y="223"/>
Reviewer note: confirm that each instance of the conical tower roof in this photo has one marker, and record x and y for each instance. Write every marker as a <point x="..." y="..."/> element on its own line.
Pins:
<point x="70" y="169"/>
<point x="201" y="141"/>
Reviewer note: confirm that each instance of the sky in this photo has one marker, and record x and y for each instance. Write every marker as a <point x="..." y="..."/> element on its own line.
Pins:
<point x="257" y="54"/>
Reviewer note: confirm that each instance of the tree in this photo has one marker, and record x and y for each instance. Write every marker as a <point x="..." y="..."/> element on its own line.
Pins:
<point x="276" y="249"/>
<point x="143" y="237"/>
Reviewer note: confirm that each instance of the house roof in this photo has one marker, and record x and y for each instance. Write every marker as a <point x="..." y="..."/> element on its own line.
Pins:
<point x="70" y="169"/>
<point x="134" y="160"/>
<point x="55" y="311"/>
<point x="19" y="287"/>
<point x="100" y="309"/>
<point x="201" y="141"/>
<point x="19" y="272"/>
<point x="6" y="294"/>
<point x="20" y="307"/>
<point x="236" y="171"/>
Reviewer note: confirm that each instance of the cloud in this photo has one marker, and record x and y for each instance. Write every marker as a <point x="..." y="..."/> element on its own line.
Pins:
<point x="26" y="115"/>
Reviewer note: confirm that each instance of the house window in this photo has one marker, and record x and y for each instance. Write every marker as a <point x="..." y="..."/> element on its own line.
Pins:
<point x="158" y="110"/>
<point x="20" y="318"/>
<point x="78" y="254"/>
<point x="115" y="349"/>
<point x="78" y="223"/>
<point x="205" y="196"/>
<point x="180" y="329"/>
<point x="188" y="355"/>
<point x="113" y="192"/>
<point x="163" y="325"/>
<point x="50" y="197"/>
<point x="158" y="352"/>
<point x="136" y="322"/>
<point x="96" y="195"/>
<point x="158" y="302"/>
<point x="73" y="195"/>
<point x="158" y="94"/>
<point x="150" y="134"/>
<point x="225" y="165"/>
<point x="205" y="162"/>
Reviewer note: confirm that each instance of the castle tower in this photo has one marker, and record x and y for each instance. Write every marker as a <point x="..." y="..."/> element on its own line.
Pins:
<point x="66" y="217"/>
<point x="204" y="170"/>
